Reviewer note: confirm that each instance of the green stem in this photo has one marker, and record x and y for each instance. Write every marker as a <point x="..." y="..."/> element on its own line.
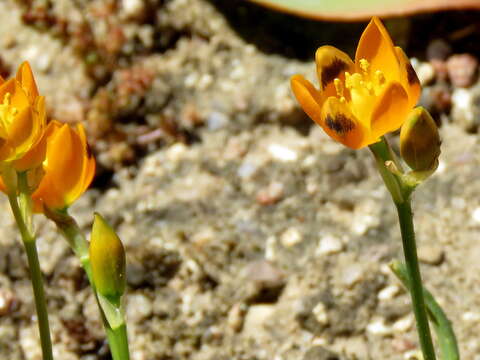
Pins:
<point x="118" y="342"/>
<point x="382" y="153"/>
<point x="441" y="324"/>
<point x="400" y="192"/>
<point x="36" y="277"/>
<point x="75" y="238"/>
<point x="416" y="289"/>
<point x="117" y="337"/>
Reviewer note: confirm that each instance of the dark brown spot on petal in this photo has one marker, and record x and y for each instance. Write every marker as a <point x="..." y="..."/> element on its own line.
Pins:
<point x="341" y="124"/>
<point x="332" y="71"/>
<point x="411" y="75"/>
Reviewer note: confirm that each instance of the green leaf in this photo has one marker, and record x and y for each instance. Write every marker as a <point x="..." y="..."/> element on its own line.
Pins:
<point x="364" y="9"/>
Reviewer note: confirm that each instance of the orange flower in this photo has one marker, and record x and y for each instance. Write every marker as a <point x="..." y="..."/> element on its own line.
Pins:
<point x="68" y="167"/>
<point x="358" y="102"/>
<point x="22" y="116"/>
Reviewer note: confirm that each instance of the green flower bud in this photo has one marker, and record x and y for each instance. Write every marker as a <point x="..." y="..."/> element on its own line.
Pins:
<point x="107" y="257"/>
<point x="420" y="141"/>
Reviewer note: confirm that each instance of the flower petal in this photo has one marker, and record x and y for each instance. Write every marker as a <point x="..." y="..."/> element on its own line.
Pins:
<point x="376" y="47"/>
<point x="331" y="63"/>
<point x="409" y="78"/>
<point x="340" y="124"/>
<point x="26" y="79"/>
<point x="390" y="111"/>
<point x="308" y="97"/>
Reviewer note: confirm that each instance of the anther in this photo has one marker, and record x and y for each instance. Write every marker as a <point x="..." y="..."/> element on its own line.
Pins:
<point x="338" y="87"/>
<point x="364" y="65"/>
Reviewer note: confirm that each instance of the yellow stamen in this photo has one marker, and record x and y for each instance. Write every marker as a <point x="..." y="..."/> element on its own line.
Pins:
<point x="364" y="65"/>
<point x="338" y="86"/>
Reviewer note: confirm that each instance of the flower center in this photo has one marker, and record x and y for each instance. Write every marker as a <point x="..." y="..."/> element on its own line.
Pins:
<point x="360" y="89"/>
<point x="7" y="115"/>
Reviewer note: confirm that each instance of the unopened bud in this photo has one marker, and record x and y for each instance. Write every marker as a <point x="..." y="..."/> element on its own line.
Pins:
<point x="420" y="141"/>
<point x="107" y="257"/>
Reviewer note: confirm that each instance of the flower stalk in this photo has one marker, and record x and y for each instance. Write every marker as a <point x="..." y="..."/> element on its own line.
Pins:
<point x="23" y="220"/>
<point x="443" y="328"/>
<point x="401" y="197"/>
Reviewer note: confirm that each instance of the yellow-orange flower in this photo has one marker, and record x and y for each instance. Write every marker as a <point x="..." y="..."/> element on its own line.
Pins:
<point x="68" y="167"/>
<point x="360" y="101"/>
<point x="22" y="116"/>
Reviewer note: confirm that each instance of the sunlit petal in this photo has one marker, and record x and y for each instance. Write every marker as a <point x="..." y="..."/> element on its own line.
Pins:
<point x="376" y="47"/>
<point x="339" y="123"/>
<point x="390" y="111"/>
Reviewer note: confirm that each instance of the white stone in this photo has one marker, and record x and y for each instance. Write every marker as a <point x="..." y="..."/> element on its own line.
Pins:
<point x="291" y="237"/>
<point x="425" y="73"/>
<point x="282" y="153"/>
<point x="246" y="169"/>
<point x="133" y="8"/>
<point x="403" y="325"/>
<point x="270" y="248"/>
<point x="320" y="313"/>
<point x="329" y="245"/>
<point x="388" y="293"/>
<point x="352" y="274"/>
<point x="471" y="316"/>
<point x="476" y="215"/>
<point x="413" y="355"/>
<point x="378" y="327"/>
<point x="176" y="152"/>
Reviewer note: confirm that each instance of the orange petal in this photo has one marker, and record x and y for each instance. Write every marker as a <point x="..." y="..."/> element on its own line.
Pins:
<point x="20" y="130"/>
<point x="409" y="78"/>
<point x="308" y="97"/>
<point x="19" y="98"/>
<point x="376" y="47"/>
<point x="390" y="111"/>
<point x="340" y="124"/>
<point x="26" y="79"/>
<point x="331" y="64"/>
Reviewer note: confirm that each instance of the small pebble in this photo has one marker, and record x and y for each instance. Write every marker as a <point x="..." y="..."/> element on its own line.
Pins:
<point x="291" y="237"/>
<point x="270" y="194"/>
<point x="476" y="215"/>
<point x="236" y="316"/>
<point x="431" y="255"/>
<point x="270" y="248"/>
<point x="7" y="301"/>
<point x="134" y="9"/>
<point x="352" y="274"/>
<point x="403" y="325"/>
<point x="217" y="120"/>
<point x="264" y="273"/>
<point x="470" y="316"/>
<point x="329" y="245"/>
<point x="246" y="170"/>
<point x="378" y="327"/>
<point x="282" y="153"/>
<point x="139" y="307"/>
<point x="462" y="69"/>
<point x="203" y="236"/>
<point x="388" y="293"/>
<point x="464" y="111"/>
<point x="320" y="313"/>
<point x="425" y="73"/>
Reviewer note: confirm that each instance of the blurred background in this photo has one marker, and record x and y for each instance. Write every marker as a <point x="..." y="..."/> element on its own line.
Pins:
<point x="249" y="233"/>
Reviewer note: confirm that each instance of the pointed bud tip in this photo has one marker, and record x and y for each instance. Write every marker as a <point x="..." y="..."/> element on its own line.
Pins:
<point x="107" y="257"/>
<point x="420" y="141"/>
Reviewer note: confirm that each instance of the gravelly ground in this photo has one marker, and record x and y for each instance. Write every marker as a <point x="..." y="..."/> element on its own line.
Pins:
<point x="249" y="233"/>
